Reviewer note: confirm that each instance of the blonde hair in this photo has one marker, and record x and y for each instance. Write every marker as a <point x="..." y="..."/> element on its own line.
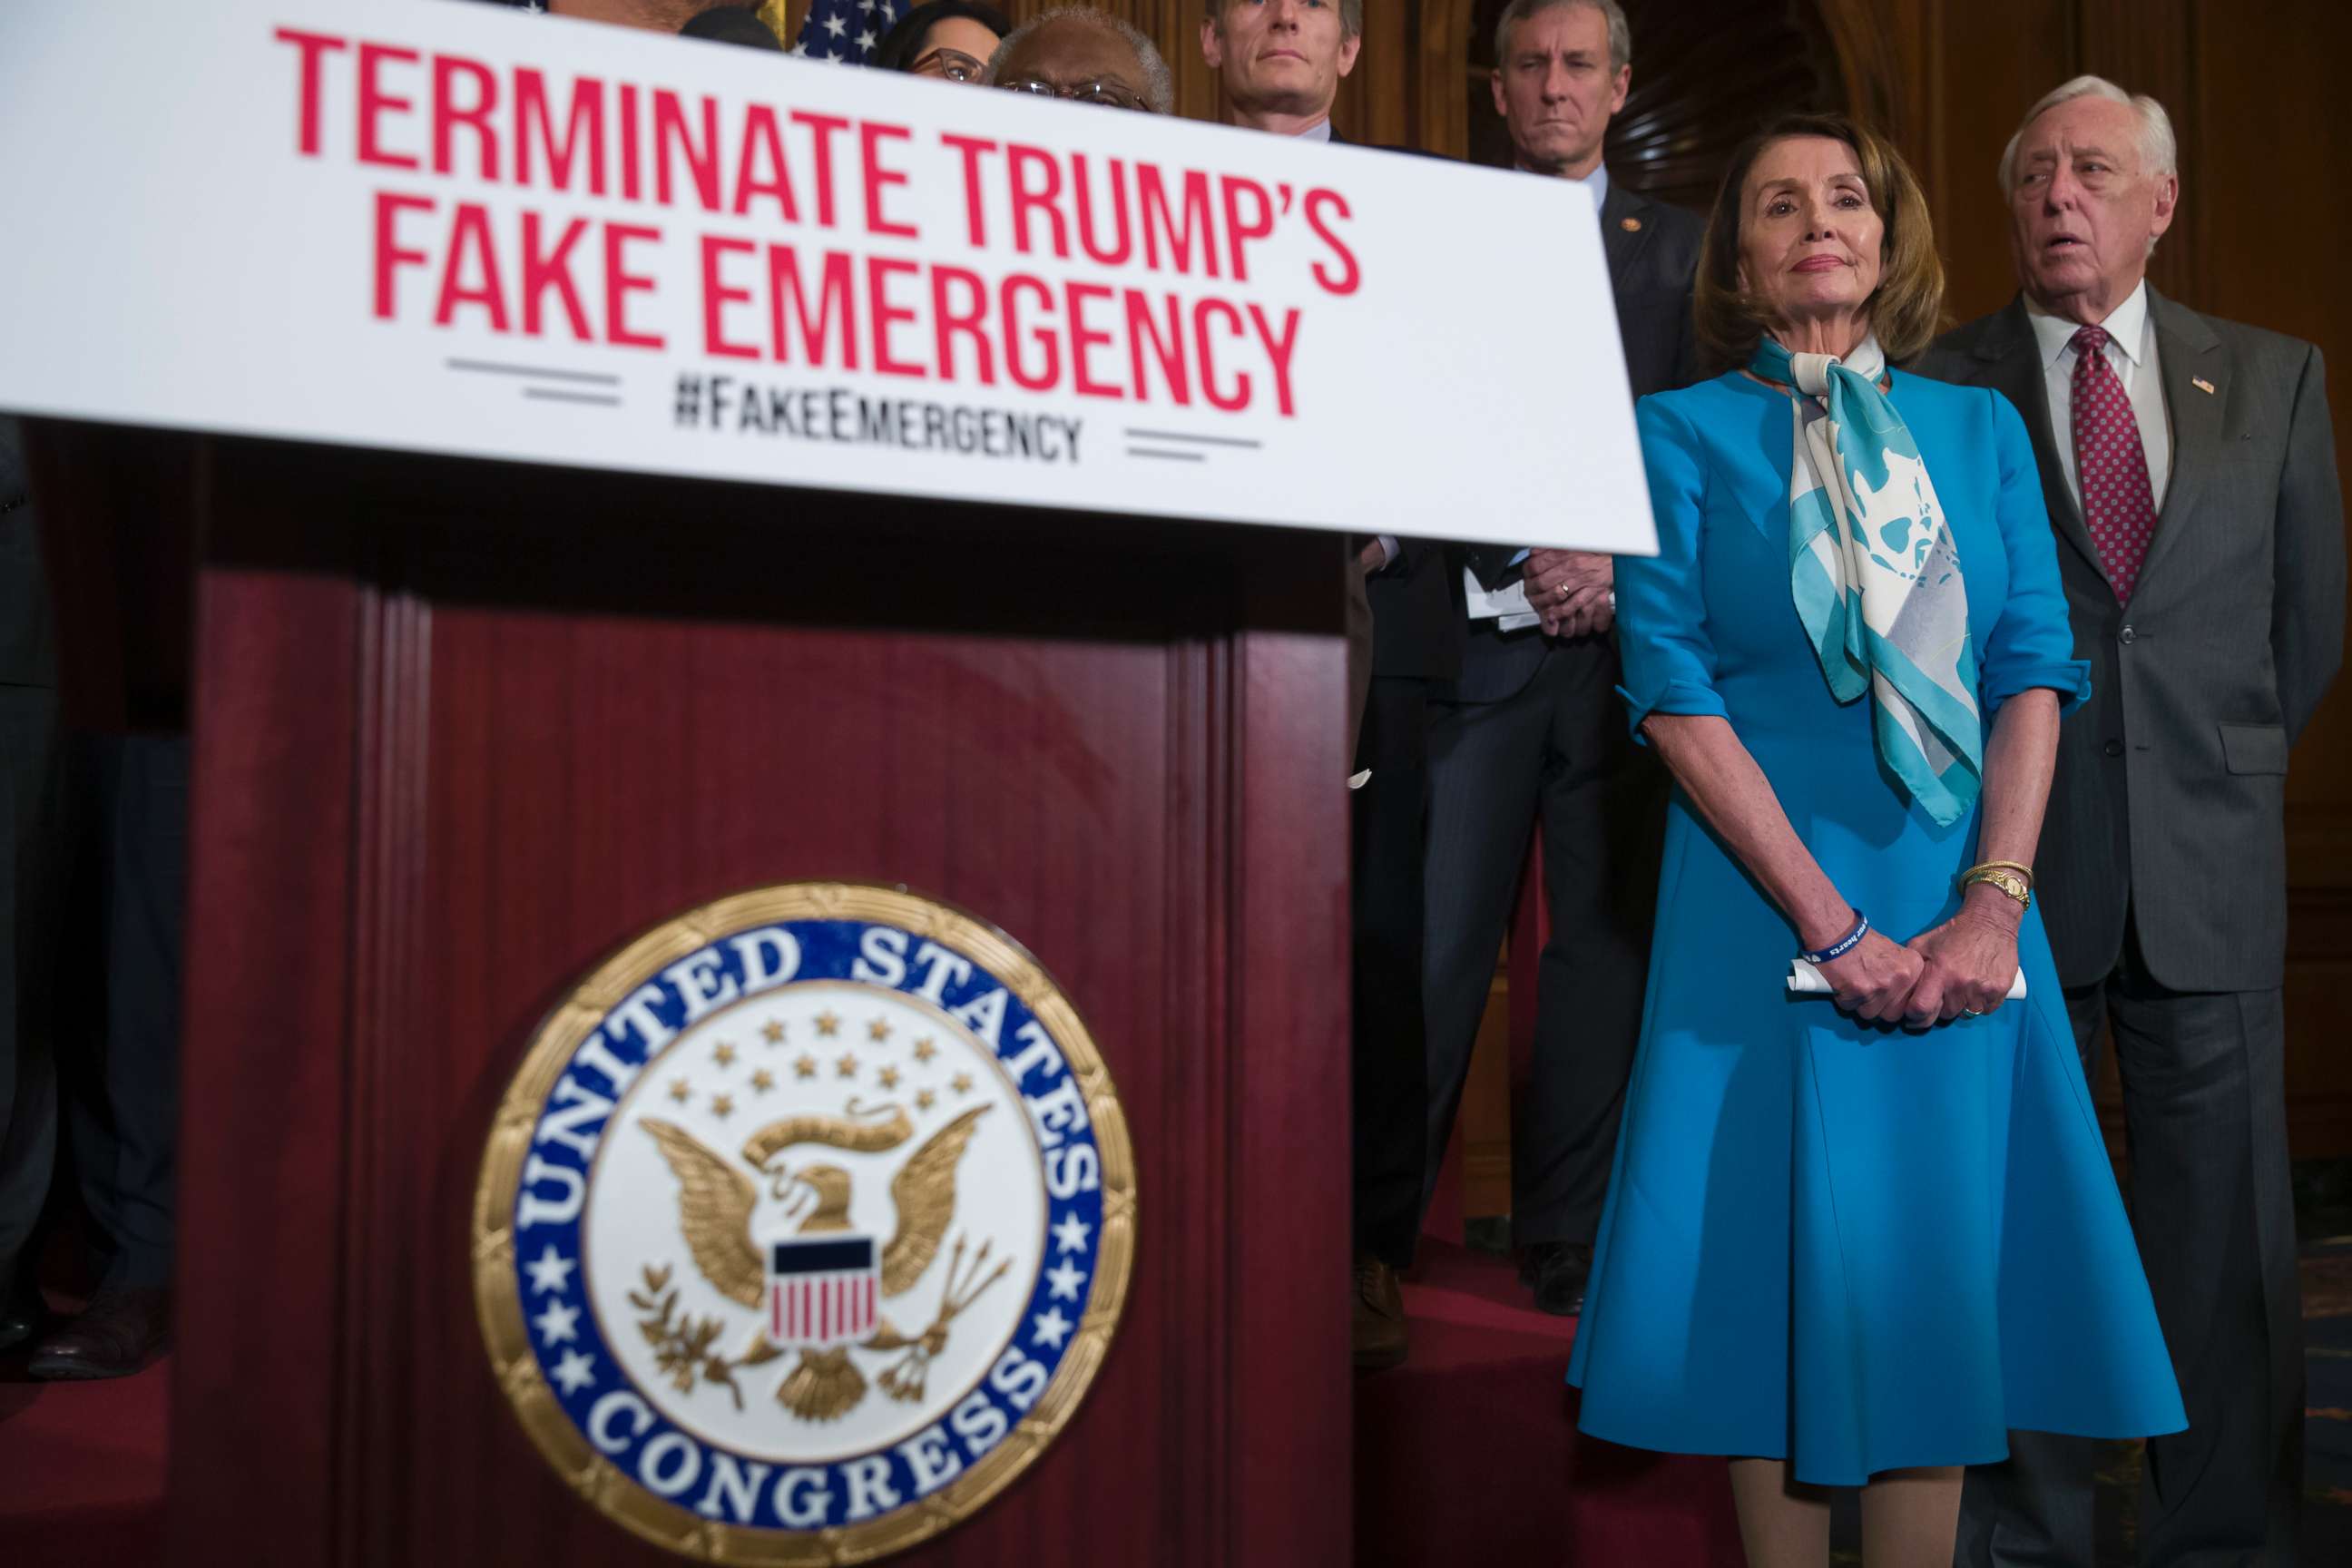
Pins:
<point x="1908" y="303"/>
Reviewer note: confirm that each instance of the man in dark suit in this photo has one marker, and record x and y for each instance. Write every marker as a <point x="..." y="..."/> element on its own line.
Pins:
<point x="119" y="542"/>
<point x="1534" y="729"/>
<point x="29" y="784"/>
<point x="1281" y="62"/>
<point x="2190" y="475"/>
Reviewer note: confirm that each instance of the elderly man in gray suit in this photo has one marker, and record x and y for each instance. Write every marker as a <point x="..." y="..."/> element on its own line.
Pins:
<point x="2190" y="474"/>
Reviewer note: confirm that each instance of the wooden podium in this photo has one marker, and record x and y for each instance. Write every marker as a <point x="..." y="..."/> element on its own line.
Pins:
<point x="460" y="727"/>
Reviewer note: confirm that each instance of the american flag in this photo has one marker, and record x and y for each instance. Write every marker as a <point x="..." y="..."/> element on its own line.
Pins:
<point x="841" y="31"/>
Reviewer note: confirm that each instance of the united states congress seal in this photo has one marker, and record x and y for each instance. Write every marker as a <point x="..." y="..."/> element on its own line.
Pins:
<point x="804" y="1225"/>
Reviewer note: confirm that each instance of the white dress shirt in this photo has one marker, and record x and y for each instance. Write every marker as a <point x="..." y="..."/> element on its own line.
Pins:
<point x="1596" y="184"/>
<point x="2131" y="351"/>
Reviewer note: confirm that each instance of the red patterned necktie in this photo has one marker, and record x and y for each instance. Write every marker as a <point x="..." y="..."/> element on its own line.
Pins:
<point x="2119" y="504"/>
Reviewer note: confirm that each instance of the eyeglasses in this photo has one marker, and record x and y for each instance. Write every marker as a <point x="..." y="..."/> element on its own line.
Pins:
<point x="953" y="65"/>
<point x="1102" y="90"/>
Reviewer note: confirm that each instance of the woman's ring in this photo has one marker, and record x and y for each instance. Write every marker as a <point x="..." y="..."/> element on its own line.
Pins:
<point x="1560" y="588"/>
<point x="1972" y="1013"/>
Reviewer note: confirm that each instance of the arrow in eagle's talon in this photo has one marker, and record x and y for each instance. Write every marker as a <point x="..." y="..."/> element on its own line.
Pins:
<point x="950" y="1307"/>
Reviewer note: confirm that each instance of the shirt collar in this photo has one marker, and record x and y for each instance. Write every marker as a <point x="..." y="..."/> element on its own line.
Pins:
<point x="2126" y="324"/>
<point x="1596" y="185"/>
<point x="1318" y="131"/>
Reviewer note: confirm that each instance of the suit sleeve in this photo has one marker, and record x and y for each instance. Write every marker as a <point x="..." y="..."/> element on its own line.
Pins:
<point x="2307" y="604"/>
<point x="1408" y="556"/>
<point x="1494" y="565"/>
<point x="2032" y="645"/>
<point x="1662" y="635"/>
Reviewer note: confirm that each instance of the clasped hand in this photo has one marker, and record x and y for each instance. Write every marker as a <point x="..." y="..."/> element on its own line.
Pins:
<point x="1964" y="965"/>
<point x="1570" y="589"/>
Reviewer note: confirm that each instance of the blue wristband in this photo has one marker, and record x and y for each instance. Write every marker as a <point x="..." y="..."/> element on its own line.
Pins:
<point x="1843" y="944"/>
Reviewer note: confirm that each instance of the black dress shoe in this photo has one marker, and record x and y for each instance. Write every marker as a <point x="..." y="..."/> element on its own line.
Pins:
<point x="22" y="1314"/>
<point x="122" y="1330"/>
<point x="1376" y="1333"/>
<point x="1556" y="1271"/>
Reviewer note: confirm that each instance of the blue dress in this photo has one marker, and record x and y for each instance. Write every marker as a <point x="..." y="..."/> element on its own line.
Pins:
<point x="1853" y="1247"/>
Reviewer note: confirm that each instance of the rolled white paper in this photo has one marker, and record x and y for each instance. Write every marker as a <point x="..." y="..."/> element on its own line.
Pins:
<point x="1806" y="980"/>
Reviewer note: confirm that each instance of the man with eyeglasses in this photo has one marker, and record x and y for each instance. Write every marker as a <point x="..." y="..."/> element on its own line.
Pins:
<point x="1281" y="62"/>
<point x="1085" y="55"/>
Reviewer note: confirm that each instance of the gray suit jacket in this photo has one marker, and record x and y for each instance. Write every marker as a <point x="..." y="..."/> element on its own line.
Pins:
<point x="2169" y="799"/>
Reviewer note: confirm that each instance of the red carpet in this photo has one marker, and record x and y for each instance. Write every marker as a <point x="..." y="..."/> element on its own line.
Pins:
<point x="82" y="1469"/>
<point x="1469" y="1453"/>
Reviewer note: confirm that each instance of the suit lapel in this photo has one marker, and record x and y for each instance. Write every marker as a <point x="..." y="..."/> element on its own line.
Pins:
<point x="1619" y="244"/>
<point x="2186" y="352"/>
<point x="2011" y="363"/>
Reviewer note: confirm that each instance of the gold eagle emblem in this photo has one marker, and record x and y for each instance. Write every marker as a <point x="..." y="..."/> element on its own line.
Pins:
<point x="715" y="1203"/>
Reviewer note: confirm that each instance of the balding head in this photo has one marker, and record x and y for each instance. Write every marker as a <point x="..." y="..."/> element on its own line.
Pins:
<point x="1085" y="54"/>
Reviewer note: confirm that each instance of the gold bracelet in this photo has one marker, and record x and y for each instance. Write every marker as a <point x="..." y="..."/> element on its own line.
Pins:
<point x="2019" y="867"/>
<point x="2004" y="878"/>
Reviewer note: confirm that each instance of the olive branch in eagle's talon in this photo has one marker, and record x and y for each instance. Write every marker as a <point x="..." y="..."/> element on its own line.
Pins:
<point x="682" y="1343"/>
<point x="715" y="1203"/>
<point x="903" y="1378"/>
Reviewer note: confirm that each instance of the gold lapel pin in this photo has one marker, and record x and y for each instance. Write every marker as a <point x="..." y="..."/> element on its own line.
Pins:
<point x="1633" y="226"/>
<point x="2202" y="384"/>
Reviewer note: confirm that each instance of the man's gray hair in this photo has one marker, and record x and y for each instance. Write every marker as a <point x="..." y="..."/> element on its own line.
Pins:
<point x="1621" y="31"/>
<point x="1159" y="81"/>
<point x="2159" y="151"/>
<point x="1351" y="16"/>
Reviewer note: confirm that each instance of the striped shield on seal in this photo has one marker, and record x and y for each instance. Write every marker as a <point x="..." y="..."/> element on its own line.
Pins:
<point x="823" y="1291"/>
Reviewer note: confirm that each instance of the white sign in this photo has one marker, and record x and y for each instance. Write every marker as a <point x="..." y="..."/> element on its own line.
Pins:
<point x="449" y="227"/>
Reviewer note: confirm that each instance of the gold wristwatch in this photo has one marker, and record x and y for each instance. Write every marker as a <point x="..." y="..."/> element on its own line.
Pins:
<point x="2010" y="878"/>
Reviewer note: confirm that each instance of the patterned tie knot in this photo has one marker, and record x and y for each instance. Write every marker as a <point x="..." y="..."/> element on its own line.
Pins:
<point x="2088" y="343"/>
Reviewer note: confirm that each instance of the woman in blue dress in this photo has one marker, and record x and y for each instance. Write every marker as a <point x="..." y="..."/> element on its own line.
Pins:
<point x="1851" y="1240"/>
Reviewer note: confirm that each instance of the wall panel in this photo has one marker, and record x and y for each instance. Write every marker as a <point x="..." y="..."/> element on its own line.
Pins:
<point x="2265" y="140"/>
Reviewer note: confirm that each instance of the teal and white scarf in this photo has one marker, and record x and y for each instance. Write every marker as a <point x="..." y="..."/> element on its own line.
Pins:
<point x="1876" y="576"/>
